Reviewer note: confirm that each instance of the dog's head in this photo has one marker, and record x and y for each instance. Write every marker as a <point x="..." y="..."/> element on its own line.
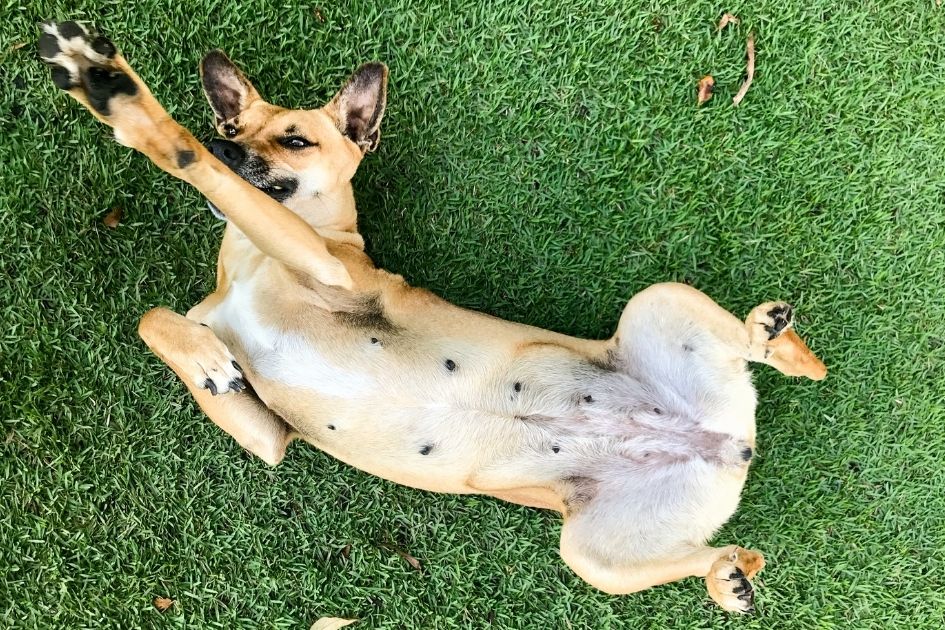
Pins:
<point x="293" y="155"/>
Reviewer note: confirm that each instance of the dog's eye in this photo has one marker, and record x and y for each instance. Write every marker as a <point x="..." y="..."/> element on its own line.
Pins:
<point x="296" y="142"/>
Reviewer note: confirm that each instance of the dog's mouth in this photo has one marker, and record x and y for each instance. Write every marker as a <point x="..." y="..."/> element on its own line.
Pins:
<point x="257" y="172"/>
<point x="279" y="189"/>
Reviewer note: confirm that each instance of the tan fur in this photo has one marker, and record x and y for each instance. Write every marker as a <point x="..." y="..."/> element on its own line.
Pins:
<point x="641" y="441"/>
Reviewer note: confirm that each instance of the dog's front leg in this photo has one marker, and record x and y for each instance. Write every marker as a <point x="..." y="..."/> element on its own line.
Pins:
<point x="91" y="71"/>
<point x="212" y="375"/>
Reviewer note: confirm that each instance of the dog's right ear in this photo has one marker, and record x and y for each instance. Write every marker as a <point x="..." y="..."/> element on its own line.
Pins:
<point x="227" y="89"/>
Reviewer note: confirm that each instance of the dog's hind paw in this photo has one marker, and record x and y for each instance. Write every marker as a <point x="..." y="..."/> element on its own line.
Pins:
<point x="771" y="320"/>
<point x="729" y="580"/>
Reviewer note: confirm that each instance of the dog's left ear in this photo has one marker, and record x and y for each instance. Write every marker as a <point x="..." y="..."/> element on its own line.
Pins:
<point x="359" y="106"/>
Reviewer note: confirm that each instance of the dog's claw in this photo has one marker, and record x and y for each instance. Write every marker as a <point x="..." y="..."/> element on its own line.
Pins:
<point x="212" y="367"/>
<point x="729" y="584"/>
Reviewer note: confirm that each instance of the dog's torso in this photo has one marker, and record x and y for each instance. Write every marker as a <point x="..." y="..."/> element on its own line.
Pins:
<point x="398" y="382"/>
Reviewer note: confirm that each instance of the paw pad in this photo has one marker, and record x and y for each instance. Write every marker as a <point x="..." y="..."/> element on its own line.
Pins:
<point x="82" y="62"/>
<point x="780" y="317"/>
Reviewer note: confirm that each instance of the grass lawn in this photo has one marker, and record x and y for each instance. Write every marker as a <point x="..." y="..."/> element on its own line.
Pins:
<point x="541" y="161"/>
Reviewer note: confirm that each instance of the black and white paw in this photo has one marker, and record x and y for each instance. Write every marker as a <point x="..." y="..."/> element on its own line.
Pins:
<point x="778" y="317"/>
<point x="729" y="586"/>
<point x="85" y="63"/>
<point x="735" y="590"/>
<point x="767" y="322"/>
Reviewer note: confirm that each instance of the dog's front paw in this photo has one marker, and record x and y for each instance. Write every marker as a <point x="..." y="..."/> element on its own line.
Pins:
<point x="86" y="66"/>
<point x="92" y="71"/>
<point x="729" y="580"/>
<point x="211" y="366"/>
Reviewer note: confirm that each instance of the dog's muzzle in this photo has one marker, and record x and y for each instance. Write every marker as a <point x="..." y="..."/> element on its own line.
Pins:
<point x="232" y="155"/>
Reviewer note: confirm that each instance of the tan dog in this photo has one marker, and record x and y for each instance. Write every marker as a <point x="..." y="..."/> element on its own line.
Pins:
<point x="642" y="442"/>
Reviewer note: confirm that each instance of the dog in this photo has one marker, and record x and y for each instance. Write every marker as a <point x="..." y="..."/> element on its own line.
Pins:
<point x="642" y="441"/>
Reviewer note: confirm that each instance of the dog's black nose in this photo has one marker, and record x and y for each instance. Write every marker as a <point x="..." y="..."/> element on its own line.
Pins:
<point x="227" y="152"/>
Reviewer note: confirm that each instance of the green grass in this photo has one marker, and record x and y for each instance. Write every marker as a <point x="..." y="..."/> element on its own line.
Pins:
<point x="541" y="161"/>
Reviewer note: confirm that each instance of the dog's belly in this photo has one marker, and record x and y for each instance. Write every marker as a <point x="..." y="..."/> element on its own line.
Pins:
<point x="468" y="403"/>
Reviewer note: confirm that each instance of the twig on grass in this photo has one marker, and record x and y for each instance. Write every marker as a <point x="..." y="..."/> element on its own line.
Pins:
<point x="751" y="71"/>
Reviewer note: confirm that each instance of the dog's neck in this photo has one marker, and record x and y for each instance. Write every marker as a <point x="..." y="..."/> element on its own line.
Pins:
<point x="332" y="209"/>
<point x="332" y="213"/>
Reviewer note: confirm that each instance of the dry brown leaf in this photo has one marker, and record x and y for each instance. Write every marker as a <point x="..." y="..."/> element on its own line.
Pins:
<point x="331" y="623"/>
<point x="410" y="560"/>
<point x="706" y="87"/>
<point x="406" y="556"/>
<point x="113" y="218"/>
<point x="750" y="47"/>
<point x="727" y="19"/>
<point x="346" y="552"/>
<point x="17" y="46"/>
<point x="163" y="603"/>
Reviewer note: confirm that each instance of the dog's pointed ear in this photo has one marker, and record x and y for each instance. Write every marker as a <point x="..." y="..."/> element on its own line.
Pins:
<point x="227" y="89"/>
<point x="359" y="106"/>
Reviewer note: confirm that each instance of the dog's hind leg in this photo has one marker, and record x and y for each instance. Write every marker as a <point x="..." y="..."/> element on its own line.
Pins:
<point x="665" y="324"/>
<point x="212" y="375"/>
<point x="91" y="71"/>
<point x="727" y="571"/>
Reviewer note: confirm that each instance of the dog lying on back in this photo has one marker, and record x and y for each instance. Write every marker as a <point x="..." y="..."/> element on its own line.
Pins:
<point x="642" y="441"/>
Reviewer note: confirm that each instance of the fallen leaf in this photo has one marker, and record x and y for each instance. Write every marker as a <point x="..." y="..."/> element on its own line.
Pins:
<point x="113" y="218"/>
<point x="346" y="551"/>
<point x="331" y="623"/>
<point x="751" y="71"/>
<point x="17" y="46"/>
<point x="406" y="556"/>
<point x="410" y="560"/>
<point x="163" y="603"/>
<point x="727" y="19"/>
<point x="706" y="87"/>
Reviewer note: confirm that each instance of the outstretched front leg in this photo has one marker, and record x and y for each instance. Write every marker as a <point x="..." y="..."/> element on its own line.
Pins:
<point x="90" y="69"/>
